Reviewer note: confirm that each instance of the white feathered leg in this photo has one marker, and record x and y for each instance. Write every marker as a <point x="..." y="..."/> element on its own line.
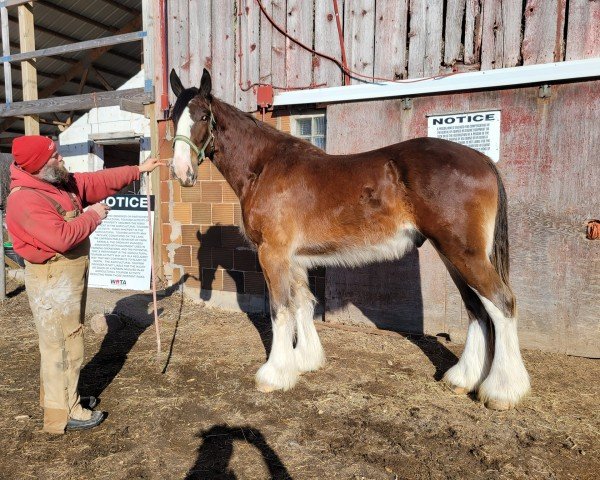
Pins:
<point x="280" y="371"/>
<point x="508" y="380"/>
<point x="309" y="353"/>
<point x="474" y="363"/>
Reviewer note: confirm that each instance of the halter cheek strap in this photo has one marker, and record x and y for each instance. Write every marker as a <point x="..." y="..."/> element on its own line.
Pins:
<point x="200" y="155"/>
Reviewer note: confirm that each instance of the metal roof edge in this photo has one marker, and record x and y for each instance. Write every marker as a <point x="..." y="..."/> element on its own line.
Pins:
<point x="486" y="79"/>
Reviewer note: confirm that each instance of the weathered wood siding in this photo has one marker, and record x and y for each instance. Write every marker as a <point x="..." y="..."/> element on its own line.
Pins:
<point x="388" y="39"/>
<point x="550" y="167"/>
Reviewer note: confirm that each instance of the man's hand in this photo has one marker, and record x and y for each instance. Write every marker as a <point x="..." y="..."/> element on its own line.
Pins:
<point x="101" y="209"/>
<point x="151" y="164"/>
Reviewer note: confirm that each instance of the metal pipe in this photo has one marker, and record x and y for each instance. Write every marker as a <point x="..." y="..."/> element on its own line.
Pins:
<point x="342" y="47"/>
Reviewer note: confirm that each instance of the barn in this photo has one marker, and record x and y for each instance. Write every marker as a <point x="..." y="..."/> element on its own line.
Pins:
<point x="518" y="80"/>
<point x="348" y="76"/>
<point x="537" y="65"/>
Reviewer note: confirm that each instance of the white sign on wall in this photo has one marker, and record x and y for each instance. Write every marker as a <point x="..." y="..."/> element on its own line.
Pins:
<point x="120" y="252"/>
<point x="478" y="130"/>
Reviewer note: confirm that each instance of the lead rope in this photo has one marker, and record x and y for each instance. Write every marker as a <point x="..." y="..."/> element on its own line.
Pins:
<point x="153" y="270"/>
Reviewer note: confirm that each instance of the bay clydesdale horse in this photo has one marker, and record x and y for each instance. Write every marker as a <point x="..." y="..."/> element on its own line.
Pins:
<point x="303" y="208"/>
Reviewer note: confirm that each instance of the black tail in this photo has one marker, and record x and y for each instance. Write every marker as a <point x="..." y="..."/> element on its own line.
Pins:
<point x="500" y="256"/>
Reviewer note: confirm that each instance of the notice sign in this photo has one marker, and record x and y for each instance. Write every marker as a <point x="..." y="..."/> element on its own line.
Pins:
<point x="478" y="130"/>
<point x="120" y="253"/>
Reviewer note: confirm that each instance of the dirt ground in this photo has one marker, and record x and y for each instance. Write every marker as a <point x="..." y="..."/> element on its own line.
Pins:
<point x="375" y="411"/>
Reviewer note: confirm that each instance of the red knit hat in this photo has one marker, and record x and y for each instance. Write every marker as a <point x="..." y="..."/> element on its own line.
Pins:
<point x="31" y="152"/>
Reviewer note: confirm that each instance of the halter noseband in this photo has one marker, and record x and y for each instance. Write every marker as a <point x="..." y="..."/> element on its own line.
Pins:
<point x="200" y="151"/>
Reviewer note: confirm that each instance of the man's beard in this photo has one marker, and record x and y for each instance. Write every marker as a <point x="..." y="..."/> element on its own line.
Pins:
<point x="55" y="174"/>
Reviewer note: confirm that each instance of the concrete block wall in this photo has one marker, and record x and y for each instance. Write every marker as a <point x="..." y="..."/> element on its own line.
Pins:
<point x="73" y="142"/>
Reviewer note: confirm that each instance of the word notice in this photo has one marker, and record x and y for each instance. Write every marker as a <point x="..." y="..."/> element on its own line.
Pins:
<point x="478" y="130"/>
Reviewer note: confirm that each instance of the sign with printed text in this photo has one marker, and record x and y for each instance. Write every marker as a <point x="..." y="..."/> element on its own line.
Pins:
<point x="120" y="253"/>
<point x="478" y="130"/>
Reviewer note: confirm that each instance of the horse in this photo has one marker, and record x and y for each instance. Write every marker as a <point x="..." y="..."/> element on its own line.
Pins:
<point x="303" y="208"/>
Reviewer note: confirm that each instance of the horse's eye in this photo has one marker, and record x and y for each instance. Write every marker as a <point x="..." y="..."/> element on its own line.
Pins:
<point x="204" y="118"/>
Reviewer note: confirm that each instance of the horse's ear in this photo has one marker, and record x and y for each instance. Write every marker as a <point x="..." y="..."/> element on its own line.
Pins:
<point x="176" y="85"/>
<point x="205" y="84"/>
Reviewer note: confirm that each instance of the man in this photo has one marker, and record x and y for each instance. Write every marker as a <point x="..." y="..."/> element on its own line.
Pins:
<point x="50" y="230"/>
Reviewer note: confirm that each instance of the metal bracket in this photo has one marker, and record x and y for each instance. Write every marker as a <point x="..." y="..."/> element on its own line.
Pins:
<point x="407" y="103"/>
<point x="545" y="91"/>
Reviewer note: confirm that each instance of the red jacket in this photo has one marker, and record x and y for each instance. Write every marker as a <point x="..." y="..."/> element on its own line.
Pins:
<point x="38" y="231"/>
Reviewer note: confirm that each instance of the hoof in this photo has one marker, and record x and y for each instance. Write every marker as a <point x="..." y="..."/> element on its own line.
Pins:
<point x="499" y="405"/>
<point x="459" y="390"/>
<point x="265" y="388"/>
<point x="268" y="378"/>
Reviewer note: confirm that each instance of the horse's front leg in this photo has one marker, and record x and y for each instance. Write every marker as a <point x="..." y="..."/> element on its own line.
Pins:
<point x="309" y="352"/>
<point x="280" y="372"/>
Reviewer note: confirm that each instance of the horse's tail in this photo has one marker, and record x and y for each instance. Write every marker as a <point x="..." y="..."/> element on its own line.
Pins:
<point x="500" y="256"/>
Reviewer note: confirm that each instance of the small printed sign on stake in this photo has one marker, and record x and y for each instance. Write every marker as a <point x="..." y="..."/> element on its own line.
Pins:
<point x="478" y="130"/>
<point x="120" y="254"/>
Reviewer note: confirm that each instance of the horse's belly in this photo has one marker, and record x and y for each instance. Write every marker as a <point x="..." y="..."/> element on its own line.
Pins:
<point x="359" y="252"/>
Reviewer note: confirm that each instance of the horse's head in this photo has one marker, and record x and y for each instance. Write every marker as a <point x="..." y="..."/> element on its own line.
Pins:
<point x="194" y="125"/>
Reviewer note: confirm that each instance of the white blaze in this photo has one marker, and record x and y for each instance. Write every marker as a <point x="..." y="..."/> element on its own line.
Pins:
<point x="182" y="159"/>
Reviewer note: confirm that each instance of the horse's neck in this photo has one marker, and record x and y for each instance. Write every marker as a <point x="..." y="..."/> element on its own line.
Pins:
<point x="238" y="141"/>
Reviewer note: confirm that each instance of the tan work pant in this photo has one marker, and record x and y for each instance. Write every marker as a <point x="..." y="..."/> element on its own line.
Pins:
<point x="56" y="291"/>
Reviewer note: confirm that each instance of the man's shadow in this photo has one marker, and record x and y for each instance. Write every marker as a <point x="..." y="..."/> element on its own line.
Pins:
<point x="214" y="454"/>
<point x="397" y="285"/>
<point x="124" y="329"/>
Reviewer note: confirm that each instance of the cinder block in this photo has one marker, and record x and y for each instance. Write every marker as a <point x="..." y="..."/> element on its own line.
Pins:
<point x="183" y="256"/>
<point x="212" y="192"/>
<point x="233" y="281"/>
<point x="190" y="235"/>
<point x="222" y="214"/>
<point x="201" y="213"/>
<point x="212" y="279"/>
<point x="254" y="282"/>
<point x="182" y="212"/>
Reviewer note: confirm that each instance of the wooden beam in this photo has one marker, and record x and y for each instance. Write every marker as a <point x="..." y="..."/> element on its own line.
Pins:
<point x="148" y="17"/>
<point x="12" y="3"/>
<point x="28" y="68"/>
<point x="70" y="39"/>
<point x="103" y="80"/>
<point x="76" y="47"/>
<point x="8" y="93"/>
<point x="76" y="102"/>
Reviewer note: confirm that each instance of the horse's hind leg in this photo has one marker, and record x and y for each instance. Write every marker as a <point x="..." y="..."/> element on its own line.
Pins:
<point x="507" y="382"/>
<point x="474" y="363"/>
<point x="309" y="352"/>
<point x="280" y="371"/>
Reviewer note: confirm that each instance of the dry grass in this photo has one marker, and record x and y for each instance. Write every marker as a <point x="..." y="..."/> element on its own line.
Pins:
<point x="375" y="411"/>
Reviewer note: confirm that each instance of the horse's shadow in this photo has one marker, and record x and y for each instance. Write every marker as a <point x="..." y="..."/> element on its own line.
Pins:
<point x="397" y="285"/>
<point x="214" y="454"/>
<point x="357" y="288"/>
<point x="126" y="323"/>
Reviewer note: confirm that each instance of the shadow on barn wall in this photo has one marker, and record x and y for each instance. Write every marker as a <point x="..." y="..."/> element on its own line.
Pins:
<point x="214" y="454"/>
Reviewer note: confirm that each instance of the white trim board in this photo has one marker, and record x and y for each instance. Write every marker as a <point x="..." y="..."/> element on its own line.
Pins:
<point x="487" y="79"/>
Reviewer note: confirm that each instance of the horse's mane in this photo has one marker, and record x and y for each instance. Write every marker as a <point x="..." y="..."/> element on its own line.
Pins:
<point x="249" y="122"/>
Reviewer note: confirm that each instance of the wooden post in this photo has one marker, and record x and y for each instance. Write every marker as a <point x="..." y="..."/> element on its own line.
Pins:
<point x="150" y="113"/>
<point x="28" y="69"/>
<point x="6" y="51"/>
